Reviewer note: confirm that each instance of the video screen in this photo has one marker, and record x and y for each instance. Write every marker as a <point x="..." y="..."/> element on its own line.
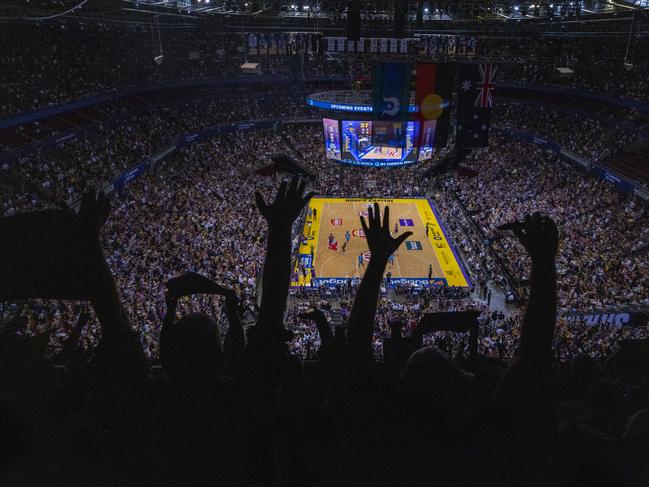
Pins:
<point x="376" y="143"/>
<point x="332" y="138"/>
<point x="427" y="138"/>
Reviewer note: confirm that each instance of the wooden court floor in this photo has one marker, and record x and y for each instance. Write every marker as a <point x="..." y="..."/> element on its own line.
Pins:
<point x="339" y="219"/>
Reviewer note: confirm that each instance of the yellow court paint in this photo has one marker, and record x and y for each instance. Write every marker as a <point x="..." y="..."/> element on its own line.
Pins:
<point x="421" y="253"/>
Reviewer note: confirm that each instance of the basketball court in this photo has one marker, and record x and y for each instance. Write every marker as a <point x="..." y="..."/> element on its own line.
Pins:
<point x="335" y="247"/>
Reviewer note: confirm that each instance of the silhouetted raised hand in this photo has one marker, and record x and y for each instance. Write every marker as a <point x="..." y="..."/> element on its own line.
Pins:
<point x="381" y="243"/>
<point x="539" y="236"/>
<point x="288" y="203"/>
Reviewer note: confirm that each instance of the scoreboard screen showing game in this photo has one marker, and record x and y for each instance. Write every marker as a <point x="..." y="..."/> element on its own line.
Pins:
<point x="427" y="138"/>
<point x="374" y="143"/>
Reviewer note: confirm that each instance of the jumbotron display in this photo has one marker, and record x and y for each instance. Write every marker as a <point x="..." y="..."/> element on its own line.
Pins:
<point x="378" y="143"/>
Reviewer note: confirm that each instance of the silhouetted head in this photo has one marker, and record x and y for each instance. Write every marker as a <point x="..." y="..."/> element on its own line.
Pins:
<point x="192" y="351"/>
<point x="431" y="379"/>
<point x="638" y="425"/>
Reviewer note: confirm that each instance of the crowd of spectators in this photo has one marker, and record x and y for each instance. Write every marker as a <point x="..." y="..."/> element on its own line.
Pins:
<point x="591" y="276"/>
<point x="242" y="410"/>
<point x="604" y="260"/>
<point x="295" y="397"/>
<point x="101" y="153"/>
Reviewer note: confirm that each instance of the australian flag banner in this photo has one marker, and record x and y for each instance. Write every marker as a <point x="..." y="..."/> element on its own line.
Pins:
<point x="476" y="87"/>
<point x="391" y="94"/>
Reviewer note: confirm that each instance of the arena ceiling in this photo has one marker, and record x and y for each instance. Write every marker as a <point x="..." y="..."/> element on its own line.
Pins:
<point x="328" y="14"/>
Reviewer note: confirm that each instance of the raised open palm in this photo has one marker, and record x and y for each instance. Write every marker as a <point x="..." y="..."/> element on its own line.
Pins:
<point x="381" y="243"/>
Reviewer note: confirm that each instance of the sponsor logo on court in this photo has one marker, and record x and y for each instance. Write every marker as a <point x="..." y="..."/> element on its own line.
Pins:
<point x="358" y="233"/>
<point x="413" y="245"/>
<point x="406" y="222"/>
<point x="418" y="282"/>
<point x="336" y="222"/>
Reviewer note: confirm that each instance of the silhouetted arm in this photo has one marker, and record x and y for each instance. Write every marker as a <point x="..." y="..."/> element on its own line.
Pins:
<point x="280" y="215"/>
<point x="382" y="245"/>
<point x="266" y="347"/>
<point x="539" y="236"/>
<point x="92" y="216"/>
<point x="69" y="349"/>
<point x="168" y="322"/>
<point x="234" y="344"/>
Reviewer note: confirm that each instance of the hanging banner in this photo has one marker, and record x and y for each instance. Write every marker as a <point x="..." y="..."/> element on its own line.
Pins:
<point x="393" y="45"/>
<point x="472" y="45"/>
<point x="451" y="46"/>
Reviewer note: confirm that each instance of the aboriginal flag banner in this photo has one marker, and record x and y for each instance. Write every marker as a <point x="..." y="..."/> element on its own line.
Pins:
<point x="391" y="94"/>
<point x="476" y="87"/>
<point x="433" y="94"/>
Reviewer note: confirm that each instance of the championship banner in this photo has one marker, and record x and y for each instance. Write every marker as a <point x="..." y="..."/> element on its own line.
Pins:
<point x="451" y="46"/>
<point x="404" y="46"/>
<point x="341" y="44"/>
<point x="361" y="45"/>
<point x="252" y="43"/>
<point x="373" y="44"/>
<point x="351" y="46"/>
<point x="272" y="44"/>
<point x="472" y="45"/>
<point x="282" y="44"/>
<point x="263" y="44"/>
<point x="391" y="96"/>
<point x="393" y="45"/>
<point x="383" y="45"/>
<point x="476" y="86"/>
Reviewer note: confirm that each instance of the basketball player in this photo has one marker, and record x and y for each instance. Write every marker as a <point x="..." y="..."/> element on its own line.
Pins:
<point x="391" y="260"/>
<point x="344" y="246"/>
<point x="396" y="228"/>
<point x="315" y="213"/>
<point x="347" y="236"/>
<point x="430" y="271"/>
<point x="361" y="261"/>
